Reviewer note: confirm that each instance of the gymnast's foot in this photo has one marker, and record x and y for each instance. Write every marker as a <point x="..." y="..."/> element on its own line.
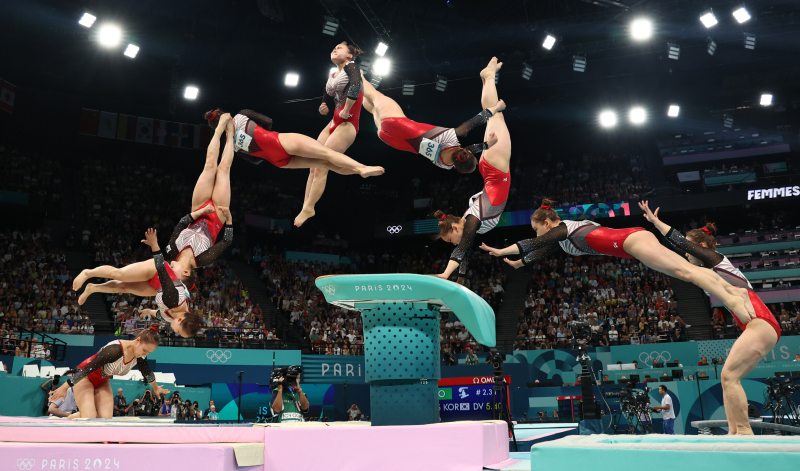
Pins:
<point x="491" y="69"/>
<point x="80" y="280"/>
<point x="303" y="216"/>
<point x="371" y="171"/>
<point x="90" y="288"/>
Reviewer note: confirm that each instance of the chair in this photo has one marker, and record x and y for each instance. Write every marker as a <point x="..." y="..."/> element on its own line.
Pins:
<point x="658" y="365"/>
<point x="47" y="371"/>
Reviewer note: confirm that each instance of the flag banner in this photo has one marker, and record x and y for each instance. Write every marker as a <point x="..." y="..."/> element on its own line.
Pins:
<point x="202" y="136"/>
<point x="144" y="130"/>
<point x="179" y="135"/>
<point x="90" y="120"/>
<point x="160" y="132"/>
<point x="172" y="130"/>
<point x="108" y="125"/>
<point x="187" y="141"/>
<point x="7" y="94"/>
<point x="126" y="127"/>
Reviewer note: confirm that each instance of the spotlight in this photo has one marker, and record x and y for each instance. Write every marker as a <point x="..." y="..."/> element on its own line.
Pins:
<point x="712" y="47"/>
<point x="766" y="100"/>
<point x="741" y="14"/>
<point x="673" y="111"/>
<point x="330" y="26"/>
<point x="291" y="79"/>
<point x="376" y="80"/>
<point x="87" y="20"/>
<point x="526" y="71"/>
<point x="579" y="63"/>
<point x="381" y="49"/>
<point x="408" y="87"/>
<point x="549" y="41"/>
<point x="749" y="41"/>
<point x="109" y="35"/>
<point x="608" y="119"/>
<point x="674" y="51"/>
<point x="190" y="92"/>
<point x="727" y="120"/>
<point x="441" y="83"/>
<point x="382" y="66"/>
<point x="641" y="29"/>
<point x="637" y="115"/>
<point x="131" y="51"/>
<point x="708" y="18"/>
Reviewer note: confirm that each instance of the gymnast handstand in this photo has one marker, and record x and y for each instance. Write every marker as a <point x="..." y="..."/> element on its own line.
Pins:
<point x="760" y="333"/>
<point x="151" y="278"/>
<point x="589" y="238"/>
<point x="94" y="397"/>
<point x="486" y="207"/>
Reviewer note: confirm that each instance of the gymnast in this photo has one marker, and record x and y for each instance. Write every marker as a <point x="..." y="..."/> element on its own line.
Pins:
<point x="255" y="141"/>
<point x="94" y="397"/>
<point x="343" y="95"/>
<point x="153" y="277"/>
<point x="589" y="238"/>
<point x="438" y="144"/>
<point x="486" y="207"/>
<point x="760" y="332"/>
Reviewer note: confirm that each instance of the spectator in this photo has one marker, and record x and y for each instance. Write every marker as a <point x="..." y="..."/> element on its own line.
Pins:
<point x="472" y="359"/>
<point x="796" y="357"/>
<point x="212" y="414"/>
<point x="703" y="361"/>
<point x="353" y="412"/>
<point x="121" y="407"/>
<point x="208" y="409"/>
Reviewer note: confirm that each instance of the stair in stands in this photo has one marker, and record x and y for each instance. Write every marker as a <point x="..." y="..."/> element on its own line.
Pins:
<point x="94" y="306"/>
<point x="507" y="317"/>
<point x="694" y="308"/>
<point x="251" y="279"/>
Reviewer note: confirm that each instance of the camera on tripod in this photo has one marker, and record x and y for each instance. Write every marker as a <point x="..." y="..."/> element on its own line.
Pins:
<point x="717" y="361"/>
<point x="289" y="375"/>
<point x="581" y="333"/>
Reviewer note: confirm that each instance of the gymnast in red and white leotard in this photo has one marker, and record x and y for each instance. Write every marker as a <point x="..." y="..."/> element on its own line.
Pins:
<point x="150" y="278"/>
<point x="486" y="207"/>
<point x="589" y="238"/>
<point x="93" y="396"/>
<point x="438" y="144"/>
<point x="760" y="331"/>
<point x="342" y="98"/>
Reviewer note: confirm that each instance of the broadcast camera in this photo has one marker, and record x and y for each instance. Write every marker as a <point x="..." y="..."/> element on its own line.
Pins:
<point x="289" y="375"/>
<point x="581" y="333"/>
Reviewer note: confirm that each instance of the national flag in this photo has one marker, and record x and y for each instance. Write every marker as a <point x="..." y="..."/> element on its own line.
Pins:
<point x="108" y="125"/>
<point x="188" y="141"/>
<point x="160" y="132"/>
<point x="90" y="120"/>
<point x="202" y="136"/>
<point x="179" y="133"/>
<point x="171" y="129"/>
<point x="7" y="94"/>
<point x="126" y="127"/>
<point x="144" y="130"/>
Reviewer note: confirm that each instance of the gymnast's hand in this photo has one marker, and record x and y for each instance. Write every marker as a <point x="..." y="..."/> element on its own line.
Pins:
<point x="224" y="120"/>
<point x="151" y="240"/>
<point x="158" y="390"/>
<point x="649" y="215"/>
<point x="227" y="213"/>
<point x="323" y="109"/>
<point x="442" y="276"/>
<point x="492" y="251"/>
<point x="205" y="210"/>
<point x="500" y="106"/>
<point x="344" y="114"/>
<point x="514" y="263"/>
<point x="59" y="393"/>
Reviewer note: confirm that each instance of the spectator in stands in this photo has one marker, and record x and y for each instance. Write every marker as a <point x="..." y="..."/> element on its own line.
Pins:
<point x="471" y="359"/>
<point x="212" y="414"/>
<point x="796" y="357"/>
<point x="353" y="413"/>
<point x="208" y="409"/>
<point x="703" y="361"/>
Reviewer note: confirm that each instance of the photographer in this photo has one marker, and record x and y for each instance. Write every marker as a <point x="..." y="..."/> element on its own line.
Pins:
<point x="49" y="386"/>
<point x="290" y="402"/>
<point x="353" y="413"/>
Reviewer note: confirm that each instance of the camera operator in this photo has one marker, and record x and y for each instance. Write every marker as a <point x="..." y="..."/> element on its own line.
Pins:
<point x="121" y="406"/>
<point x="667" y="412"/>
<point x="290" y="402"/>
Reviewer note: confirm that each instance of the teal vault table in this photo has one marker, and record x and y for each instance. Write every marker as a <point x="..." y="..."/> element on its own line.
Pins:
<point x="401" y="317"/>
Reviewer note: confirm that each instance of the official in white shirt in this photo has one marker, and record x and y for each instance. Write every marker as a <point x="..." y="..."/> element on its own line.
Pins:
<point x="667" y="411"/>
<point x="64" y="406"/>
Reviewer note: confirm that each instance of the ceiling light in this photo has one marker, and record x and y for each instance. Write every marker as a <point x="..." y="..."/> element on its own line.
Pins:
<point x="109" y="35"/>
<point x="441" y="83"/>
<point x="766" y="100"/>
<point x="548" y="42"/>
<point x="131" y="51"/>
<point x="381" y="49"/>
<point x="579" y="63"/>
<point x="330" y="26"/>
<point x="674" y="51"/>
<point x="608" y="119"/>
<point x="382" y="66"/>
<point x="673" y="111"/>
<point x="408" y="87"/>
<point x="190" y="92"/>
<point x="749" y="41"/>
<point x="291" y="79"/>
<point x="87" y="20"/>
<point x="741" y="14"/>
<point x="527" y="71"/>
<point x="641" y="29"/>
<point x="712" y="47"/>
<point x="637" y="115"/>
<point x="708" y="18"/>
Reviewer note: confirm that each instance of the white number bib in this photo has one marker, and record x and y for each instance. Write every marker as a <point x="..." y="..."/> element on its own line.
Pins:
<point x="429" y="149"/>
<point x="242" y="140"/>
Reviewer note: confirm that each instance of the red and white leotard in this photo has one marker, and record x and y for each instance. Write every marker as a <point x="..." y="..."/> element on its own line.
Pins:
<point x="488" y="205"/>
<point x="577" y="238"/>
<point x="170" y="290"/>
<point x="199" y="236"/>
<point x="340" y="86"/>
<point x="110" y="361"/>
<point x="254" y="137"/>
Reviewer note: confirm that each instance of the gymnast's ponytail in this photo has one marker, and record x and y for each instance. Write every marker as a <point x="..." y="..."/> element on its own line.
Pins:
<point x="545" y="211"/>
<point x="464" y="161"/>
<point x="355" y="51"/>
<point x="446" y="222"/>
<point x="149" y="335"/>
<point x="212" y="117"/>
<point x="704" y="235"/>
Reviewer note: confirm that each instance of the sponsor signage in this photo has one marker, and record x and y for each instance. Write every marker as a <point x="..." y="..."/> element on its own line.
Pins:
<point x="464" y="380"/>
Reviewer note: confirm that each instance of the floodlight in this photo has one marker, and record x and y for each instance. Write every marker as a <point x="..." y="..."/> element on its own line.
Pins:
<point x="291" y="79"/>
<point x="749" y="41"/>
<point x="549" y="41"/>
<point x="641" y="29"/>
<point x="441" y="83"/>
<point x="382" y="66"/>
<point x="330" y="26"/>
<point x="674" y="51"/>
<point x="381" y="49"/>
<point x="708" y="18"/>
<point x="131" y="51"/>
<point x="408" y="87"/>
<point x="376" y="80"/>
<point x="727" y="120"/>
<point x="673" y="111"/>
<point x="712" y="47"/>
<point x="637" y="115"/>
<point x="527" y="71"/>
<point x="109" y="35"/>
<point x="190" y="92"/>
<point x="766" y="99"/>
<point x="608" y="119"/>
<point x="579" y="63"/>
<point x="741" y="14"/>
<point x="87" y="20"/>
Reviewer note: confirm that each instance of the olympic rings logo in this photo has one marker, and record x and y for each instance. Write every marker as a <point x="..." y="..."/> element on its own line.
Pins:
<point x="218" y="355"/>
<point x="329" y="290"/>
<point x="26" y="464"/>
<point x="394" y="229"/>
<point x="657" y="357"/>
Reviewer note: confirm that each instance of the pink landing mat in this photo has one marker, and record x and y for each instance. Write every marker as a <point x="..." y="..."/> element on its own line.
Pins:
<point x="96" y="456"/>
<point x="456" y="446"/>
